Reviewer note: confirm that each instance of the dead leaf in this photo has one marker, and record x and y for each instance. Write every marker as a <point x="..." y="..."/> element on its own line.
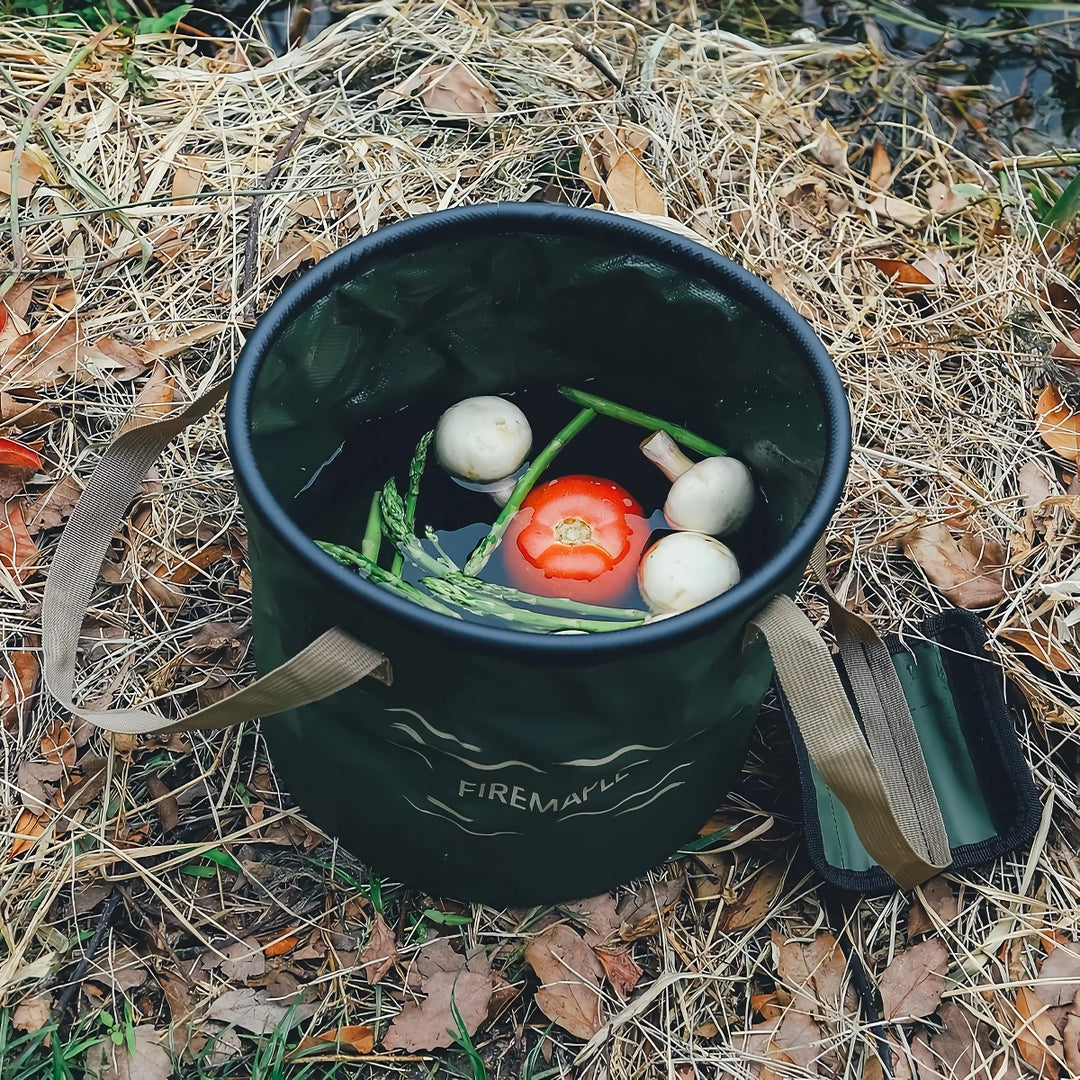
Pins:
<point x="630" y="190"/>
<point x="830" y="149"/>
<point x="33" y="778"/>
<point x="754" y="904"/>
<point x="43" y="357"/>
<point x="188" y="176"/>
<point x="18" y="552"/>
<point x="1034" y="485"/>
<point x="1059" y="976"/>
<point x="901" y="272"/>
<point x="13" y="452"/>
<point x="283" y="944"/>
<point x="943" y="200"/>
<point x="164" y="802"/>
<point x="794" y="1039"/>
<point x="641" y="911"/>
<point x="769" y="1006"/>
<point x="880" y="177"/>
<point x="321" y="207"/>
<point x="256" y="1010"/>
<point x="1043" y="645"/>
<point x="28" y="173"/>
<point x="32" y="1014"/>
<point x="17" y="689"/>
<point x="108" y="356"/>
<point x="426" y="1025"/>
<point x="570" y="974"/>
<point x="151" y="1061"/>
<point x="970" y="572"/>
<point x="1058" y="425"/>
<point x="898" y="210"/>
<point x="1071" y="1041"/>
<point x="814" y="973"/>
<point x="622" y="971"/>
<point x="156" y="395"/>
<point x="28" y="827"/>
<point x="178" y="996"/>
<point x="937" y="895"/>
<point x="292" y="252"/>
<point x="24" y="411"/>
<point x="52" y="507"/>
<point x="1037" y="1038"/>
<point x="380" y="952"/>
<point x="446" y="88"/>
<point x="243" y="960"/>
<point x="358" y="1038"/>
<point x="601" y="917"/>
<point x="123" y="970"/>
<point x="163" y="349"/>
<point x="911" y="986"/>
<point x="58" y="745"/>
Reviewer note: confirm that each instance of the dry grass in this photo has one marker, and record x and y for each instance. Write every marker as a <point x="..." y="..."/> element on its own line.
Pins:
<point x="942" y="385"/>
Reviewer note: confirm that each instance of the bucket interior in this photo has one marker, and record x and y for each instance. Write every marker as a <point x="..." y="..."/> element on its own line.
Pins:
<point x="489" y="314"/>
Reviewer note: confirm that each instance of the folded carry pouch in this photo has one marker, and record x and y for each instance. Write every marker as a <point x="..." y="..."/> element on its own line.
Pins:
<point x="959" y="773"/>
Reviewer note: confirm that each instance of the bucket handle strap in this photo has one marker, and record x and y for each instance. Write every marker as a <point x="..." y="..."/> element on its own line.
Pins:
<point x="331" y="662"/>
<point x="880" y="776"/>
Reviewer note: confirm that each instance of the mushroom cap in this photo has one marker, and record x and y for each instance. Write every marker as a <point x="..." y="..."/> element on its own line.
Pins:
<point x="685" y="569"/>
<point x="715" y="496"/>
<point x="482" y="438"/>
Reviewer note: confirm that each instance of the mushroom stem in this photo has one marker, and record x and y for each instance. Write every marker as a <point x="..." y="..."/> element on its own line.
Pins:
<point x="661" y="449"/>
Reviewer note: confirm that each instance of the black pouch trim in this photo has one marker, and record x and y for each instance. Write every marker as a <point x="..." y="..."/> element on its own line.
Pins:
<point x="987" y="723"/>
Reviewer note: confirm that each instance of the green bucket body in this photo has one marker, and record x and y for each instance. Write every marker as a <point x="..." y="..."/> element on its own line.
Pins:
<point x="500" y="766"/>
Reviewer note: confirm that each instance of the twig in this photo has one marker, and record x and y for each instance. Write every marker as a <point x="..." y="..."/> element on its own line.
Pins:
<point x="251" y="246"/>
<point x="89" y="952"/>
<point x="600" y="64"/>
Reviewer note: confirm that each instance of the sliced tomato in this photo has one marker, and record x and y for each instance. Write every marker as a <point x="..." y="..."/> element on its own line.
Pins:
<point x="577" y="536"/>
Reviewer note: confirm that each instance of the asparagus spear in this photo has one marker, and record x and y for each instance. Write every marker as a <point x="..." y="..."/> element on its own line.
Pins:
<point x="416" y="470"/>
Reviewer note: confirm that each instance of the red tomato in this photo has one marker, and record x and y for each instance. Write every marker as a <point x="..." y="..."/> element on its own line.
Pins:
<point x="579" y="537"/>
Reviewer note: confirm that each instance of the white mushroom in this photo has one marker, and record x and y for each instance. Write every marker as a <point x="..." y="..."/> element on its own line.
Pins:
<point x="483" y="440"/>
<point x="713" y="496"/>
<point x="685" y="569"/>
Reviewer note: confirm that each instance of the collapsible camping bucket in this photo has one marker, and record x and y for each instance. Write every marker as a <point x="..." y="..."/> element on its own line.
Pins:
<point x="497" y="765"/>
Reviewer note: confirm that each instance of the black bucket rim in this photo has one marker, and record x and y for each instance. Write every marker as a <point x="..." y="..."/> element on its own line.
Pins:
<point x="554" y="220"/>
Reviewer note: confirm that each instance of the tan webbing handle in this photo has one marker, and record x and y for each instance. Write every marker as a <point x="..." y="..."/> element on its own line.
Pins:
<point x="331" y="662"/>
<point x="880" y="777"/>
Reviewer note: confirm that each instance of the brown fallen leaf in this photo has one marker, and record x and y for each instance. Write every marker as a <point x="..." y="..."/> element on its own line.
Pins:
<point x="899" y="210"/>
<point x="28" y="827"/>
<point x="52" y="507"/>
<point x="1070" y="1038"/>
<point x="357" y="1037"/>
<point x="1058" y="425"/>
<point x="814" y="973"/>
<point x="830" y="149"/>
<point x="795" y="1038"/>
<point x="18" y="552"/>
<point x="122" y="970"/>
<point x="179" y="998"/>
<point x="242" y="960"/>
<point x="881" y="173"/>
<point x="188" y="176"/>
<point x="58" y="746"/>
<point x="110" y="357"/>
<point x="1059" y="976"/>
<point x="45" y="356"/>
<point x="32" y="1014"/>
<point x="37" y="784"/>
<point x="622" y="971"/>
<point x="380" y="952"/>
<point x="964" y="1049"/>
<point x="257" y="1011"/>
<point x="943" y="200"/>
<point x="426" y="1025"/>
<point x="446" y="88"/>
<point x="1037" y="1038"/>
<point x="1044" y="646"/>
<point x="283" y="942"/>
<point x="600" y="915"/>
<point x="28" y="173"/>
<point x="911" y="986"/>
<point x="900" y="272"/>
<point x="293" y="251"/>
<point x="150" y="1061"/>
<point x="969" y="572"/>
<point x="570" y="974"/>
<point x="164" y="348"/>
<point x="164" y="802"/>
<point x="640" y="913"/>
<point x="155" y="398"/>
<point x="18" y="687"/>
<point x="754" y="903"/>
<point x="630" y="190"/>
<point x="936" y="895"/>
<point x="770" y="1006"/>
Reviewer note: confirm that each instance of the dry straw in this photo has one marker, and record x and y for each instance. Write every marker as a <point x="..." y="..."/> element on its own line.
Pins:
<point x="142" y="218"/>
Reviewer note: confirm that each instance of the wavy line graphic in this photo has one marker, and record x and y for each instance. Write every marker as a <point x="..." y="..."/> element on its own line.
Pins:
<point x="465" y="761"/>
<point x="441" y="817"/>
<point x="629" y="798"/>
<point x="632" y="809"/>
<point x="421" y="756"/>
<point x="449" y="809"/>
<point x="590" y="763"/>
<point x="435" y="731"/>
